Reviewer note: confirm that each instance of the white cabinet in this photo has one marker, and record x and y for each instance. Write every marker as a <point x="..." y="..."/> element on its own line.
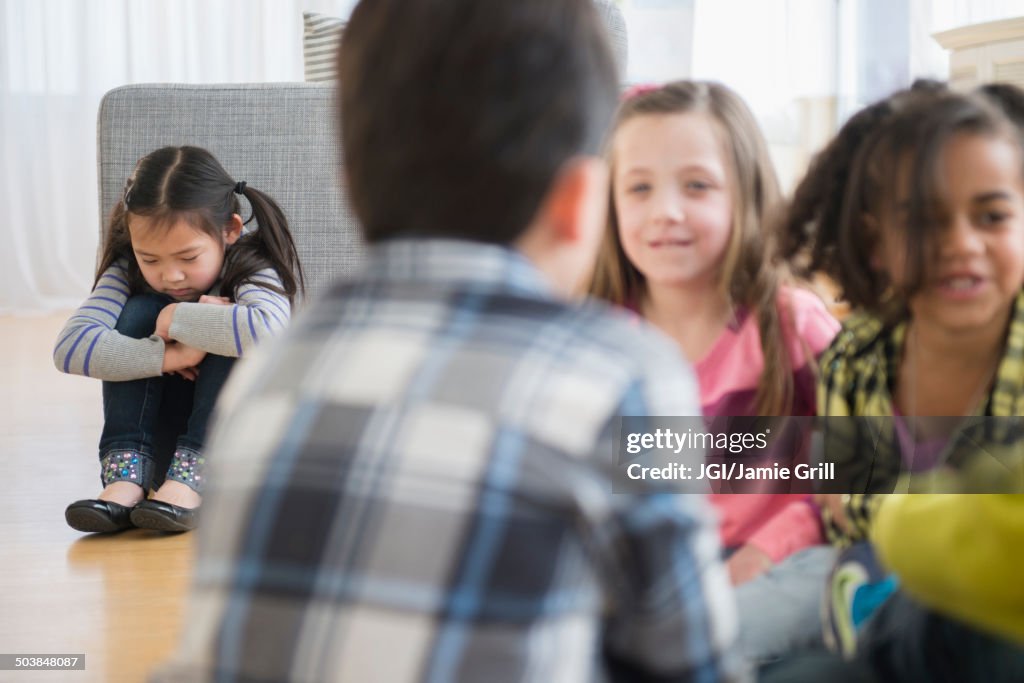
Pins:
<point x="983" y="53"/>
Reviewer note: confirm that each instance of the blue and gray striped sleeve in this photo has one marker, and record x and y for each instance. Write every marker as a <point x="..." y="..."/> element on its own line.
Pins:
<point x="258" y="313"/>
<point x="89" y="345"/>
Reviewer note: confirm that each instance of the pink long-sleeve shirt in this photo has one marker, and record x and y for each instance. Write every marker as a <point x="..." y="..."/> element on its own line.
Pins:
<point x="778" y="524"/>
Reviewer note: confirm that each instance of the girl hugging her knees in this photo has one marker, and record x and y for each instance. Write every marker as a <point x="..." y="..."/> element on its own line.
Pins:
<point x="689" y="248"/>
<point x="181" y="292"/>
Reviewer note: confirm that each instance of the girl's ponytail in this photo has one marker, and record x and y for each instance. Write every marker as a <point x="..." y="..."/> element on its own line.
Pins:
<point x="270" y="246"/>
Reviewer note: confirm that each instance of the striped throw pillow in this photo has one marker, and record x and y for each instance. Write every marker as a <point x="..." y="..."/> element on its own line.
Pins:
<point x="323" y="33"/>
<point x="320" y="39"/>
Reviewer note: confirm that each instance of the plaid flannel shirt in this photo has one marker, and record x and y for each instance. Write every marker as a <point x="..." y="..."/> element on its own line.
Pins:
<point x="857" y="371"/>
<point x="414" y="483"/>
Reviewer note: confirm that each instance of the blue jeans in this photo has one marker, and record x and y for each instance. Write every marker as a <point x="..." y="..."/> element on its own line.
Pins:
<point x="906" y="641"/>
<point x="780" y="610"/>
<point x="148" y="422"/>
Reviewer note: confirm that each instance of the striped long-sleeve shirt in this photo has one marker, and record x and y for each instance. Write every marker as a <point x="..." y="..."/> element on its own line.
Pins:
<point x="89" y="345"/>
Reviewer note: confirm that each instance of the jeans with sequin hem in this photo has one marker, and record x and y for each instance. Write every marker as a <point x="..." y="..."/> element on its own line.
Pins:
<point x="156" y="427"/>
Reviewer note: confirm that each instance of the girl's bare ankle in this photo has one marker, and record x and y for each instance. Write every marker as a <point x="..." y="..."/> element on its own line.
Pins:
<point x="123" y="492"/>
<point x="177" y="493"/>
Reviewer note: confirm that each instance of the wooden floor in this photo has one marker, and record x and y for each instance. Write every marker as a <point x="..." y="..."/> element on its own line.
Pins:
<point x="116" y="598"/>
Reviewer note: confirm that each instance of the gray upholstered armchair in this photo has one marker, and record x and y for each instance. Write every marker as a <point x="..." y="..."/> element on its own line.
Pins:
<point x="278" y="137"/>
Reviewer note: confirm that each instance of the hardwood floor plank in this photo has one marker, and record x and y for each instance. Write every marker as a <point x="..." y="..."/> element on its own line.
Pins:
<point x="116" y="598"/>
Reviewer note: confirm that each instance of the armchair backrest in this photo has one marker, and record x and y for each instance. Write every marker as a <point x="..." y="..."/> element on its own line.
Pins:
<point x="278" y="137"/>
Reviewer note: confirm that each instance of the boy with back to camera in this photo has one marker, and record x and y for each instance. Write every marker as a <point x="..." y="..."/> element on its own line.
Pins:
<point x="416" y="484"/>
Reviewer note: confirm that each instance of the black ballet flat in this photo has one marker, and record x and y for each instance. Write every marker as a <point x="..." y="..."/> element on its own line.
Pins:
<point x="160" y="516"/>
<point x="98" y="516"/>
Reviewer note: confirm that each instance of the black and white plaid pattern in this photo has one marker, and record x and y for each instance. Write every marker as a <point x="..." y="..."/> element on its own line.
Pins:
<point x="415" y="484"/>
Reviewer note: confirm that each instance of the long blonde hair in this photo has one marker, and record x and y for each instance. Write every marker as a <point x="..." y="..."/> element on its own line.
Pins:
<point x="750" y="275"/>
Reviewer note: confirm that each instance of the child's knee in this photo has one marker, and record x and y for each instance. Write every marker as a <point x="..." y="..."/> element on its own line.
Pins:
<point x="213" y="372"/>
<point x="212" y="360"/>
<point x="138" y="318"/>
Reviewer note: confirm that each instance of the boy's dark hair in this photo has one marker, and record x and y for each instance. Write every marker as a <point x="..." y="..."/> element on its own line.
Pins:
<point x="188" y="183"/>
<point x="856" y="176"/>
<point x="457" y="115"/>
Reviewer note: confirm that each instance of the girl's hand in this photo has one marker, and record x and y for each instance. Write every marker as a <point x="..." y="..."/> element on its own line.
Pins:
<point x="747" y="563"/>
<point x="188" y="373"/>
<point x="163" y="322"/>
<point x="178" y="356"/>
<point x="219" y="300"/>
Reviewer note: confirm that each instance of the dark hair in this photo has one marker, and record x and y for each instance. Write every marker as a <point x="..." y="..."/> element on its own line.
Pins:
<point x="857" y="175"/>
<point x="188" y="183"/>
<point x="1008" y="97"/>
<point x="750" y="275"/>
<point x="456" y="115"/>
<point x="809" y="234"/>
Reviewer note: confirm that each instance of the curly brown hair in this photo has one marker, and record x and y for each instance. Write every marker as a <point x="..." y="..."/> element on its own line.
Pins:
<point x="830" y="226"/>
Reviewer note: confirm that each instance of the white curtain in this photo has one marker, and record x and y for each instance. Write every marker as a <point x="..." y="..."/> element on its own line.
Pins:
<point x="803" y="66"/>
<point x="57" y="59"/>
<point x="790" y="59"/>
<point x="778" y="55"/>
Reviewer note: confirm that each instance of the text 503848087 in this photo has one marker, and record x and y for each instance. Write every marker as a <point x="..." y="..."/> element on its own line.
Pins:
<point x="42" y="662"/>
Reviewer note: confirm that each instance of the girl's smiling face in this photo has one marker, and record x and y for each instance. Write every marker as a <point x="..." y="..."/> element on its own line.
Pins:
<point x="976" y="268"/>
<point x="672" y="194"/>
<point x="180" y="260"/>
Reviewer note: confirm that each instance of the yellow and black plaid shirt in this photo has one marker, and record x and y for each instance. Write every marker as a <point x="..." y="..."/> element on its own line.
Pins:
<point x="857" y="377"/>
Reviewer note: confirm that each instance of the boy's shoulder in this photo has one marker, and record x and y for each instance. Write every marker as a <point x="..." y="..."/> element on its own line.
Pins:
<point x="621" y="333"/>
<point x="652" y="371"/>
<point x="589" y="338"/>
<point x="589" y="328"/>
<point x="580" y="363"/>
